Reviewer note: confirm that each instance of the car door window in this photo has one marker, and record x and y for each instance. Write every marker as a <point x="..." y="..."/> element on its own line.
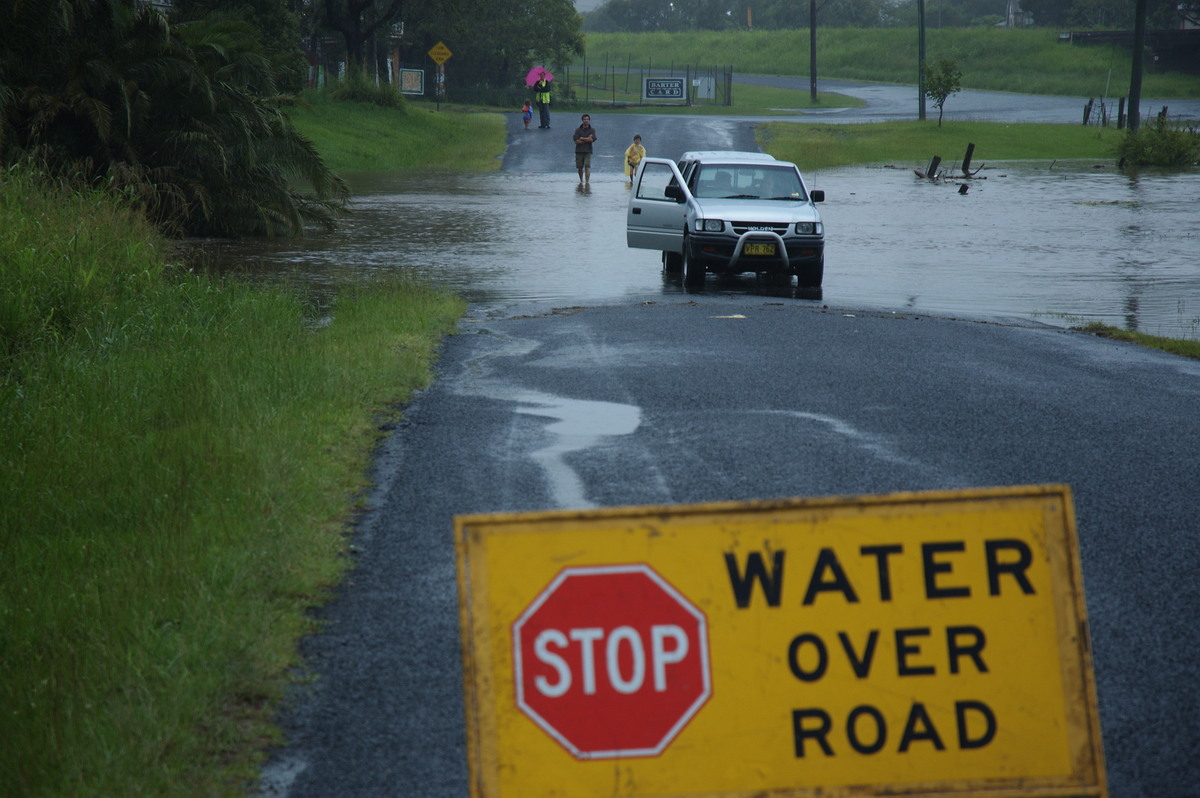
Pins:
<point x="655" y="179"/>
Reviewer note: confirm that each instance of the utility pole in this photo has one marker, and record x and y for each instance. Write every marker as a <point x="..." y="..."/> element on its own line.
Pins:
<point x="921" y="56"/>
<point x="1135" y="79"/>
<point x="812" y="49"/>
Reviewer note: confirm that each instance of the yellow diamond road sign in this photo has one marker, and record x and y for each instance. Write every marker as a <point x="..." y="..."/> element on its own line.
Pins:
<point x="899" y="645"/>
<point x="439" y="53"/>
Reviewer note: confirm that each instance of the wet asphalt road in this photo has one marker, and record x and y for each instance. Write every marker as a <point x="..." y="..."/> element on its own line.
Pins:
<point x="751" y="397"/>
<point x="894" y="102"/>
<point x="670" y="136"/>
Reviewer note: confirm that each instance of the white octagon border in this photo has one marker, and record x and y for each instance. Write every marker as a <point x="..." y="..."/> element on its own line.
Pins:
<point x="594" y="570"/>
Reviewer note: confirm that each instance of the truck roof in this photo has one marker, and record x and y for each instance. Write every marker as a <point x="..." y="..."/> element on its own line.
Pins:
<point x="725" y="155"/>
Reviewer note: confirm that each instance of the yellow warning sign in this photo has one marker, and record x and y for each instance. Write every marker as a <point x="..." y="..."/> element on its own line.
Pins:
<point x="925" y="643"/>
<point x="439" y="53"/>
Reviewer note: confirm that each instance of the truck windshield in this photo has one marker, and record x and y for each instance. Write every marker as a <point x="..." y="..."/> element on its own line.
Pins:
<point x="744" y="181"/>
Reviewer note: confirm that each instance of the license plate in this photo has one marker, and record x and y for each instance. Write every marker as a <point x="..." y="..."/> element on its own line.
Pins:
<point x="759" y="249"/>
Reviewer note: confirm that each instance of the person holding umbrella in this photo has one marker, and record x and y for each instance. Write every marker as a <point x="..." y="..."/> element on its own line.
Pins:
<point x="540" y="79"/>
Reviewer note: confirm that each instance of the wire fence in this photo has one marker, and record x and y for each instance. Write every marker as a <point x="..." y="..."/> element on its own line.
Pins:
<point x="645" y="84"/>
<point x="1106" y="112"/>
<point x="604" y="83"/>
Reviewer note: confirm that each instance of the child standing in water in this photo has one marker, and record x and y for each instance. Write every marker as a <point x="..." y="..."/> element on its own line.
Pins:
<point x="633" y="157"/>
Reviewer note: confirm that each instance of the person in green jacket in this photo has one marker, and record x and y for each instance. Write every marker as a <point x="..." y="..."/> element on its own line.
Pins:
<point x="541" y="95"/>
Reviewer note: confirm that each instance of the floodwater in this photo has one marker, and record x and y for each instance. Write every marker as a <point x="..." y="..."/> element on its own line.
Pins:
<point x="1061" y="242"/>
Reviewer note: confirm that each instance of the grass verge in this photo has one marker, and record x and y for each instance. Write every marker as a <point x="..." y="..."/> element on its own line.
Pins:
<point x="1176" y="346"/>
<point x="822" y="146"/>
<point x="180" y="456"/>
<point x="361" y="137"/>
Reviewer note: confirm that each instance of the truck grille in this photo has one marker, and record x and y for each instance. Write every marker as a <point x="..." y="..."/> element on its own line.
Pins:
<point x="774" y="227"/>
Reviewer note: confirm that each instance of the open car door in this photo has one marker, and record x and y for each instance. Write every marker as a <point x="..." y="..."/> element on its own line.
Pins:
<point x="657" y="207"/>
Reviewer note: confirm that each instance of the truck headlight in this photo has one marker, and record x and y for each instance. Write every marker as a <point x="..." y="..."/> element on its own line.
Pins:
<point x="809" y="228"/>
<point x="710" y="226"/>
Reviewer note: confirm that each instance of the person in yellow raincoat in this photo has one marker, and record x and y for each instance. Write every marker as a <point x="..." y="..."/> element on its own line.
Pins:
<point x="633" y="157"/>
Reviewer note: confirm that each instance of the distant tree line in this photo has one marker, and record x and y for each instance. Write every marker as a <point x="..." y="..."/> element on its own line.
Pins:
<point x="639" y="16"/>
<point x="496" y="39"/>
<point x="1111" y="14"/>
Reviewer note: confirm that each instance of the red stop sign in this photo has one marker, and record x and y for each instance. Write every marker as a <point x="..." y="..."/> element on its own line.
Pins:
<point x="611" y="661"/>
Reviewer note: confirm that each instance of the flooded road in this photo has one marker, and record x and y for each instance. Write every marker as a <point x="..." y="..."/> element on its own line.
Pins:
<point x="1063" y="242"/>
<point x="737" y="398"/>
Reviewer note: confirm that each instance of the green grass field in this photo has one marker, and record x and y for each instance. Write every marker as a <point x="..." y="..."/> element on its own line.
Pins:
<point x="359" y="137"/>
<point x="819" y="146"/>
<point x="1030" y="61"/>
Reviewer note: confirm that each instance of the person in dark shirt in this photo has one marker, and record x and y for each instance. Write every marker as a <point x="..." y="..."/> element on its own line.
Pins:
<point x="585" y="136"/>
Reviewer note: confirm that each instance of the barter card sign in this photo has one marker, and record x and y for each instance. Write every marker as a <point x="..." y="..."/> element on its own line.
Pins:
<point x="659" y="89"/>
<point x="909" y="644"/>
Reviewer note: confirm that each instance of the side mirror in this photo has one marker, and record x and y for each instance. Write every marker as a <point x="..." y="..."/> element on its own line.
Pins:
<point x="673" y="191"/>
<point x="817" y="195"/>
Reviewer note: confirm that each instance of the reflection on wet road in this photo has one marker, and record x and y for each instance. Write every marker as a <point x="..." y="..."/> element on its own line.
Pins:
<point x="1061" y="242"/>
<point x="578" y="425"/>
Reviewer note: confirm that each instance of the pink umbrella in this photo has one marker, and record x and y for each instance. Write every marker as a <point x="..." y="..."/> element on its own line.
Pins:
<point x="536" y="74"/>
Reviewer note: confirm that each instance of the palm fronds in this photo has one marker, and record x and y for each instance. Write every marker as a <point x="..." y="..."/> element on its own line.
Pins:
<point x="185" y="121"/>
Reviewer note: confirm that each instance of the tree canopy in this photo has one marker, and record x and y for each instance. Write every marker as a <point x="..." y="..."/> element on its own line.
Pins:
<point x="502" y="39"/>
<point x="182" y="111"/>
<point x="277" y="25"/>
<point x="1110" y="14"/>
<point x="495" y="40"/>
<point x="185" y="122"/>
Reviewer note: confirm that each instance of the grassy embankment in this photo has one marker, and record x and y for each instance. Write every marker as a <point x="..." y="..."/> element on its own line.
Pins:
<point x="370" y="138"/>
<point x="180" y="457"/>
<point x="1176" y="346"/>
<point x="1027" y="61"/>
<point x="1022" y="61"/>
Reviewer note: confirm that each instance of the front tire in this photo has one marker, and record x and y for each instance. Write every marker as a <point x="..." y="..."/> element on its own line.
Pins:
<point x="693" y="272"/>
<point x="672" y="263"/>
<point x="812" y="276"/>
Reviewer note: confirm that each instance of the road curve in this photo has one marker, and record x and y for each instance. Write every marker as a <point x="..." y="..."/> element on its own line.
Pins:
<point x="886" y="102"/>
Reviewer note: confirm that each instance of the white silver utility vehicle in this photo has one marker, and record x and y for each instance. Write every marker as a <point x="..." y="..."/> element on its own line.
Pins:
<point x="728" y="212"/>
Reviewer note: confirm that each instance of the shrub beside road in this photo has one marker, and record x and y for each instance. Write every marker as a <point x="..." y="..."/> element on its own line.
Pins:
<point x="181" y="456"/>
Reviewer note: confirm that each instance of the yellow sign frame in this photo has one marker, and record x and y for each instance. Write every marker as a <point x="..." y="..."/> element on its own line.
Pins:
<point x="440" y="53"/>
<point x="931" y="644"/>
